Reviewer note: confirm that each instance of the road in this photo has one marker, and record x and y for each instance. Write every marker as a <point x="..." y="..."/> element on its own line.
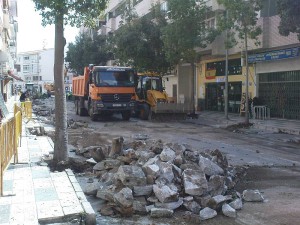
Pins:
<point x="273" y="158"/>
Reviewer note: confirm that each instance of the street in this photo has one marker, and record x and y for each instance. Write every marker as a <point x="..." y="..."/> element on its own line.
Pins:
<point x="273" y="161"/>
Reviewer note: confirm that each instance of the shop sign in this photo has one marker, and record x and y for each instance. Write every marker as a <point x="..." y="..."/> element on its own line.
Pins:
<point x="275" y="55"/>
<point x="210" y="74"/>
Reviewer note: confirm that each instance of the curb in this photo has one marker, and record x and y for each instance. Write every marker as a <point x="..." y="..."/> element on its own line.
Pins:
<point x="90" y="215"/>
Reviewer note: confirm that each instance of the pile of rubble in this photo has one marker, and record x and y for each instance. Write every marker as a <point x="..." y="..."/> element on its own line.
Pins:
<point x="151" y="177"/>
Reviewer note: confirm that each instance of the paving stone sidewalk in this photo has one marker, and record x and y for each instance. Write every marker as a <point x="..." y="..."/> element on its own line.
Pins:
<point x="34" y="195"/>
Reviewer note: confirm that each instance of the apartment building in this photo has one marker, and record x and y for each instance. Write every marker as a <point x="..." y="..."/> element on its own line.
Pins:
<point x="274" y="73"/>
<point x="36" y="69"/>
<point x="8" y="46"/>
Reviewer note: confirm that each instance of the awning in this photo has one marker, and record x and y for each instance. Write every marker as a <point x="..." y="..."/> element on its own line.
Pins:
<point x="14" y="76"/>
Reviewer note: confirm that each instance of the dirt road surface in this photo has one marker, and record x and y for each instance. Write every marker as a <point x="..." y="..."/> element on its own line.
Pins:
<point x="273" y="158"/>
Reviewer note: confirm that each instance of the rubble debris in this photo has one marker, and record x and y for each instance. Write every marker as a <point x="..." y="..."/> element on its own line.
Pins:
<point x="150" y="177"/>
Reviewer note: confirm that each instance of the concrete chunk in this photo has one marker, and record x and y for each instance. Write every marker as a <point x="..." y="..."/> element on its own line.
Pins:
<point x="161" y="212"/>
<point x="207" y="213"/>
<point x="194" y="182"/>
<point x="227" y="210"/>
<point x="252" y="196"/>
<point x="164" y="193"/>
<point x="131" y="175"/>
<point x="209" y="167"/>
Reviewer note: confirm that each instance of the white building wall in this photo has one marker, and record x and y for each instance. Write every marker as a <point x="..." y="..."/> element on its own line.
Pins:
<point x="46" y="65"/>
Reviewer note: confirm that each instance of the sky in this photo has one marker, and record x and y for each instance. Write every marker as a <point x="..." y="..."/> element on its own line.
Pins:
<point x="31" y="34"/>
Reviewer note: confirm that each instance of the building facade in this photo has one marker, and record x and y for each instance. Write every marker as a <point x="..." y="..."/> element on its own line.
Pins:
<point x="36" y="69"/>
<point x="8" y="46"/>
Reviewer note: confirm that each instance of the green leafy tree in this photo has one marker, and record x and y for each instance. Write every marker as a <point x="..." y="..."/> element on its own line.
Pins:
<point x="186" y="30"/>
<point x="289" y="11"/>
<point x="87" y="50"/>
<point x="60" y="13"/>
<point x="138" y="41"/>
<point x="139" y="44"/>
<point x="241" y="19"/>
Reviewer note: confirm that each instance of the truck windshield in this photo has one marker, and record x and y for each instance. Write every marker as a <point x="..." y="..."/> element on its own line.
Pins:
<point x="152" y="83"/>
<point x="114" y="78"/>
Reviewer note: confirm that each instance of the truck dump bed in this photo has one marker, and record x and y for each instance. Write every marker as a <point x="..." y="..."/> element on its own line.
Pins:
<point x="80" y="84"/>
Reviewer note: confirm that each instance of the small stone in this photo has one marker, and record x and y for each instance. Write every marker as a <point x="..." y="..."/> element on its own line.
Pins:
<point x="124" y="198"/>
<point x="237" y="204"/>
<point x="161" y="212"/>
<point x="164" y="193"/>
<point x="252" y="196"/>
<point x="207" y="213"/>
<point x="167" y="155"/>
<point x="227" y="210"/>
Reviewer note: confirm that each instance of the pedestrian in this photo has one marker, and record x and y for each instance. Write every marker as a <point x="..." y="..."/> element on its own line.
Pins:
<point x="23" y="96"/>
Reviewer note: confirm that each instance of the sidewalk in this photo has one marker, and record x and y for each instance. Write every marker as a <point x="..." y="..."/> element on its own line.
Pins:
<point x="33" y="194"/>
<point x="217" y="119"/>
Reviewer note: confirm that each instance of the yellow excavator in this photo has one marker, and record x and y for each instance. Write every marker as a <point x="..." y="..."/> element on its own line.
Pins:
<point x="152" y="101"/>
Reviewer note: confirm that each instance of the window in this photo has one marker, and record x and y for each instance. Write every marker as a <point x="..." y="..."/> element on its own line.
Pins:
<point x="26" y="58"/>
<point x="234" y="67"/>
<point x="26" y="68"/>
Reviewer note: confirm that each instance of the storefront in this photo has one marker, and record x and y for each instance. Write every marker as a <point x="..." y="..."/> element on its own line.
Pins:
<point x="278" y="75"/>
<point x="211" y="84"/>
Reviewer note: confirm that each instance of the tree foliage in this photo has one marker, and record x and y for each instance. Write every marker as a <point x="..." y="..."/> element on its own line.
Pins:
<point x="289" y="11"/>
<point x="186" y="30"/>
<point x="241" y="18"/>
<point x="75" y="13"/>
<point x="86" y="50"/>
<point x="138" y="43"/>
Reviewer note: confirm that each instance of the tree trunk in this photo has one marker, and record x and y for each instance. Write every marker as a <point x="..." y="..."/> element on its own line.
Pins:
<point x="61" y="137"/>
<point x="247" y="80"/>
<point x="192" y="85"/>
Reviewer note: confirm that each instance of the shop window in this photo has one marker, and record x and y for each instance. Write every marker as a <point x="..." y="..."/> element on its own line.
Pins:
<point x="234" y="67"/>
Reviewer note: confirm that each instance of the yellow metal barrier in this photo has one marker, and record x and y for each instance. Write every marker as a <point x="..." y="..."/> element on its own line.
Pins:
<point x="27" y="109"/>
<point x="10" y="136"/>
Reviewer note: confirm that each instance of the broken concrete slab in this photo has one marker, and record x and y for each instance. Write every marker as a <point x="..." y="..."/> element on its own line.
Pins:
<point x="164" y="193"/>
<point x="194" y="182"/>
<point x="131" y="175"/>
<point x="208" y="167"/>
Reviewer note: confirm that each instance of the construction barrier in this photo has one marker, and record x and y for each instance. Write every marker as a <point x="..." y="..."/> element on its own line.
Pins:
<point x="27" y="109"/>
<point x="10" y="136"/>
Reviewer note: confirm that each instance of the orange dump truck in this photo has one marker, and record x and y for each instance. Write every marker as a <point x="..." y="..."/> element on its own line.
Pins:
<point x="103" y="91"/>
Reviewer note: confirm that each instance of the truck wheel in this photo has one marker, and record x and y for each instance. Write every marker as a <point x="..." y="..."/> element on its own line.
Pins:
<point x="144" y="113"/>
<point x="76" y="107"/>
<point x="126" y="115"/>
<point x="92" y="115"/>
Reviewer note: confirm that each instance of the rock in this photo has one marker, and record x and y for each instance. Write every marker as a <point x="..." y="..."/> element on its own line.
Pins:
<point x="237" y="204"/>
<point x="170" y="205"/>
<point x="191" y="155"/>
<point x="208" y="167"/>
<point x="207" y="213"/>
<point x="97" y="154"/>
<point x="107" y="164"/>
<point x="131" y="176"/>
<point x="164" y="193"/>
<point x="124" y="198"/>
<point x="227" y="210"/>
<point x="161" y="212"/>
<point x="202" y="200"/>
<point x="145" y="190"/>
<point x="216" y="185"/>
<point x="166" y="172"/>
<point x="125" y="212"/>
<point x="194" y="182"/>
<point x="91" y="161"/>
<point x="252" y="196"/>
<point x="107" y="192"/>
<point x="107" y="178"/>
<point x="106" y="210"/>
<point x="139" y="206"/>
<point x="92" y="188"/>
<point x="167" y="155"/>
<point x="152" y="170"/>
<point x="130" y="153"/>
<point x="178" y="160"/>
<point x="217" y="201"/>
<point x="116" y="147"/>
<point x="149" y="207"/>
<point x="192" y="206"/>
<point x="157" y="147"/>
<point x="220" y="159"/>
